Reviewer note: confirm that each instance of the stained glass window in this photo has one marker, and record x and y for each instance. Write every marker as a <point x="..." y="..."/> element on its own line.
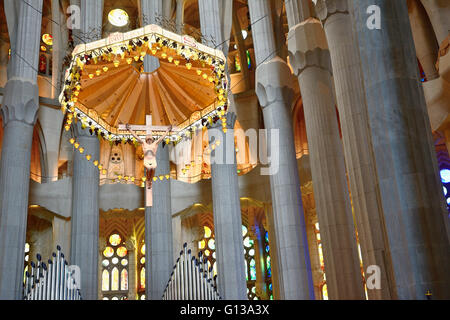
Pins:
<point x="249" y="60"/>
<point x="26" y="261"/>
<point x="268" y="265"/>
<point x="115" y="279"/>
<point x="141" y="272"/>
<point x="115" y="269"/>
<point x="237" y="63"/>
<point x="208" y="246"/>
<point x="445" y="179"/>
<point x="323" y="285"/>
<point x="105" y="280"/>
<point x="115" y="240"/>
<point x="108" y="252"/>
<point x="122" y="252"/>
<point x="124" y="280"/>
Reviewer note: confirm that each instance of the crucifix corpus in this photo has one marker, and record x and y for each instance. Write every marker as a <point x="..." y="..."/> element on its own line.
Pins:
<point x="150" y="147"/>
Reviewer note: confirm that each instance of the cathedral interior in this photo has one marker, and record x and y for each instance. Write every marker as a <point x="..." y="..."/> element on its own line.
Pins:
<point x="347" y="101"/>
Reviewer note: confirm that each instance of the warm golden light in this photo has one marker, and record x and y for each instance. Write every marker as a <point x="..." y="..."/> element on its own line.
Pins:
<point x="47" y="39"/>
<point x="118" y="17"/>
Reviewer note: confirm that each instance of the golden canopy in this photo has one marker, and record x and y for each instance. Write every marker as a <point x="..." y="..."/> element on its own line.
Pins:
<point x="106" y="85"/>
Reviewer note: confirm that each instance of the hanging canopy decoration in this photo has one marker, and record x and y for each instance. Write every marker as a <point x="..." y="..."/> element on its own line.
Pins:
<point x="105" y="84"/>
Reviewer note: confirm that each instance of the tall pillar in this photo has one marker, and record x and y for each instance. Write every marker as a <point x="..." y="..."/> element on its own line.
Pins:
<point x="158" y="231"/>
<point x="158" y="219"/>
<point x="85" y="181"/>
<point x="91" y="20"/>
<point x="85" y="213"/>
<point x="359" y="156"/>
<point x="310" y="59"/>
<point x="19" y="112"/>
<point x="226" y="204"/>
<point x="152" y="12"/>
<point x="274" y="90"/>
<point x="411" y="192"/>
<point x="227" y="214"/>
<point x="180" y="16"/>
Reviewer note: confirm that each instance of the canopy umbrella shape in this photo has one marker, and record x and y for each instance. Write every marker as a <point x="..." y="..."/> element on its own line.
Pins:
<point x="106" y="86"/>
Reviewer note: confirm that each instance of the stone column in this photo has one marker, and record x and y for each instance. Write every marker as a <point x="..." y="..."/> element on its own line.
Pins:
<point x="91" y="20"/>
<point x="85" y="213"/>
<point x="180" y="16"/>
<point x="227" y="214"/>
<point x="158" y="231"/>
<point x="226" y="204"/>
<point x="152" y="12"/>
<point x="58" y="27"/>
<point x="85" y="207"/>
<point x="158" y="219"/>
<point x="411" y="193"/>
<point x="274" y="90"/>
<point x="19" y="111"/>
<point x="355" y="128"/>
<point x="310" y="59"/>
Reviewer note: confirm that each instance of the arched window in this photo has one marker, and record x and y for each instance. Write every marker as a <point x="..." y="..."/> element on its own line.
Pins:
<point x="208" y="246"/>
<point x="323" y="284"/>
<point x="26" y="260"/>
<point x="141" y="272"/>
<point x="445" y="178"/>
<point x="250" y="264"/>
<point x="115" y="269"/>
<point x="268" y="266"/>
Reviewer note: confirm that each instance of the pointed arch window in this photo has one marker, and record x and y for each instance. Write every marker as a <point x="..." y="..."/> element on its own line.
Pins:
<point x="115" y="268"/>
<point x="141" y="271"/>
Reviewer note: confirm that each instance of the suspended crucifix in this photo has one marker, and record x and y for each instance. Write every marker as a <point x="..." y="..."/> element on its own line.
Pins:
<point x="105" y="86"/>
<point x="150" y="148"/>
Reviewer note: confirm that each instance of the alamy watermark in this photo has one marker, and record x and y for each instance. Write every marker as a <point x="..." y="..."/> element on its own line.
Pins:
<point x="374" y="19"/>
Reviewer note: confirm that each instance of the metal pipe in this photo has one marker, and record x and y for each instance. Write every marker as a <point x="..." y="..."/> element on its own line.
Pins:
<point x="189" y="274"/>
<point x="38" y="276"/>
<point x="49" y="279"/>
<point x="58" y="272"/>
<point x="62" y="278"/>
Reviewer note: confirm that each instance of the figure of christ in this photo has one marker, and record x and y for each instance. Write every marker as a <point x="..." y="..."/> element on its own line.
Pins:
<point x="150" y="147"/>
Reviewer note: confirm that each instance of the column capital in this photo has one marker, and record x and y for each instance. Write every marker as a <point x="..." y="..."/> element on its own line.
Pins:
<point x="21" y="102"/>
<point x="326" y="8"/>
<point x="308" y="46"/>
<point x="274" y="82"/>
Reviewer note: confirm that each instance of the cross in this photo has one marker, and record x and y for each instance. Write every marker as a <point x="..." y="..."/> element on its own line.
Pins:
<point x="148" y="128"/>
